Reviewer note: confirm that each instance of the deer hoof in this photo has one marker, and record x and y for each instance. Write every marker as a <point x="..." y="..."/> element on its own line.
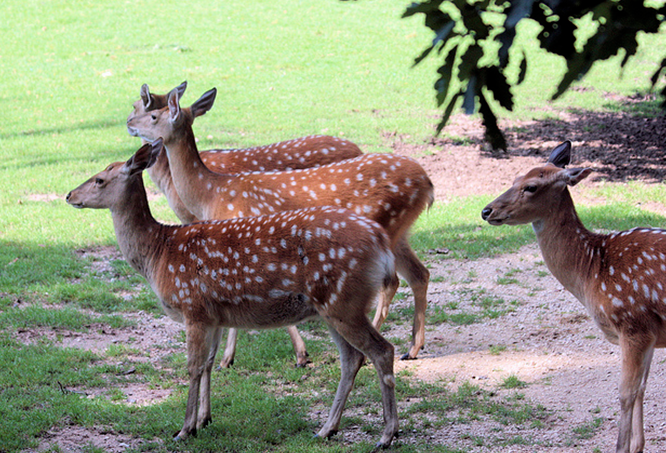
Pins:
<point x="406" y="356"/>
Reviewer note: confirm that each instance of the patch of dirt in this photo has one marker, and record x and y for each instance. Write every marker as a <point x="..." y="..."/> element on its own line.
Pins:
<point x="152" y="338"/>
<point x="74" y="439"/>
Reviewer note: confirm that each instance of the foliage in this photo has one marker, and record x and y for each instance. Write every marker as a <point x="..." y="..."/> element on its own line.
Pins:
<point x="475" y="40"/>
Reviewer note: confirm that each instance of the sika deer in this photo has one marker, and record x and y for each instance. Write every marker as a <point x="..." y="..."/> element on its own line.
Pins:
<point x="254" y="272"/>
<point x="304" y="152"/>
<point x="618" y="277"/>
<point x="391" y="190"/>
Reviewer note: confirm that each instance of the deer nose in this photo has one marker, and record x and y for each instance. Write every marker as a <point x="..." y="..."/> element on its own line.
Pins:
<point x="68" y="195"/>
<point x="486" y="213"/>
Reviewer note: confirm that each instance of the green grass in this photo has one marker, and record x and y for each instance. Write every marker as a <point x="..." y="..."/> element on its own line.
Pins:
<point x="483" y="306"/>
<point x="513" y="382"/>
<point x="282" y="69"/>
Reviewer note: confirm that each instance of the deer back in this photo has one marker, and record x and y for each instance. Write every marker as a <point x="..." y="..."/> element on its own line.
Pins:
<point x="271" y="271"/>
<point x="391" y="190"/>
<point x="304" y="152"/>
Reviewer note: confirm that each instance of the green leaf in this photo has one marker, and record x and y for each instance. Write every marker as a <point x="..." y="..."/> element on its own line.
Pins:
<point x="523" y="69"/>
<point x="445" y="71"/>
<point x="469" y="62"/>
<point x="496" y="82"/>
<point x="447" y="111"/>
<point x="423" y="7"/>
<point x="441" y="38"/>
<point x="518" y="10"/>
<point x="469" y="101"/>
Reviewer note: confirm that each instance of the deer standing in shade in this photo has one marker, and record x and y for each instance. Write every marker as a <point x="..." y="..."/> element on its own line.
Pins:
<point x="391" y="190"/>
<point x="620" y="278"/>
<point x="254" y="272"/>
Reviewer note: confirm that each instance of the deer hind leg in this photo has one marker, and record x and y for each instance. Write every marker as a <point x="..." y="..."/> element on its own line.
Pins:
<point x="638" y="436"/>
<point x="636" y="359"/>
<point x="230" y="349"/>
<point x="351" y="361"/>
<point x="357" y="334"/>
<point x="386" y="296"/>
<point x="417" y="276"/>
<point x="302" y="356"/>
<point x="198" y="351"/>
<point x="212" y="342"/>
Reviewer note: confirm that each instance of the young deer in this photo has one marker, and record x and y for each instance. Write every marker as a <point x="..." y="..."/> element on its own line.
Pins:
<point x="617" y="277"/>
<point x="254" y="272"/>
<point x="304" y="152"/>
<point x="391" y="190"/>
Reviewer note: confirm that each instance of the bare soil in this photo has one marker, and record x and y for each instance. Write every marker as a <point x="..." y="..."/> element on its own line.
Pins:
<point x="545" y="339"/>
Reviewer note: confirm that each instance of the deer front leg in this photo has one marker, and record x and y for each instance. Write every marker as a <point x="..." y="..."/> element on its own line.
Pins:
<point x="196" y="362"/>
<point x="212" y="343"/>
<point x="636" y="358"/>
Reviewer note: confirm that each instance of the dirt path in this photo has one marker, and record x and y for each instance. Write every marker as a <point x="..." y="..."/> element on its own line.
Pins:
<point x="548" y="342"/>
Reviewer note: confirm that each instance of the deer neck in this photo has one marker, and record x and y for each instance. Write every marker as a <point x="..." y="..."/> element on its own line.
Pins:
<point x="137" y="231"/>
<point x="193" y="181"/>
<point x="571" y="252"/>
<point x="160" y="174"/>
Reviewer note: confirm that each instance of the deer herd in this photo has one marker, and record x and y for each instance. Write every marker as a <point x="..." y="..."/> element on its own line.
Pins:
<point x="313" y="228"/>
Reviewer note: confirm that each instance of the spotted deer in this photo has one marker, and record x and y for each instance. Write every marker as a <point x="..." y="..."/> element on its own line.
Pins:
<point x="391" y="190"/>
<point x="254" y="272"/>
<point x="304" y="152"/>
<point x="618" y="277"/>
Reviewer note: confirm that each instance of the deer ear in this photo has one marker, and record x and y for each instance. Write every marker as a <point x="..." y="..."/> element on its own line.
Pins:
<point x="145" y="97"/>
<point x="174" y="106"/>
<point x="156" y="148"/>
<point x="561" y="155"/>
<point x="573" y="176"/>
<point x="181" y="89"/>
<point x="204" y="103"/>
<point x="141" y="160"/>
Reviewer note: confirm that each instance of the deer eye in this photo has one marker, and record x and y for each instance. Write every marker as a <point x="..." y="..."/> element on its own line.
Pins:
<point x="153" y="117"/>
<point x="99" y="181"/>
<point x="531" y="188"/>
